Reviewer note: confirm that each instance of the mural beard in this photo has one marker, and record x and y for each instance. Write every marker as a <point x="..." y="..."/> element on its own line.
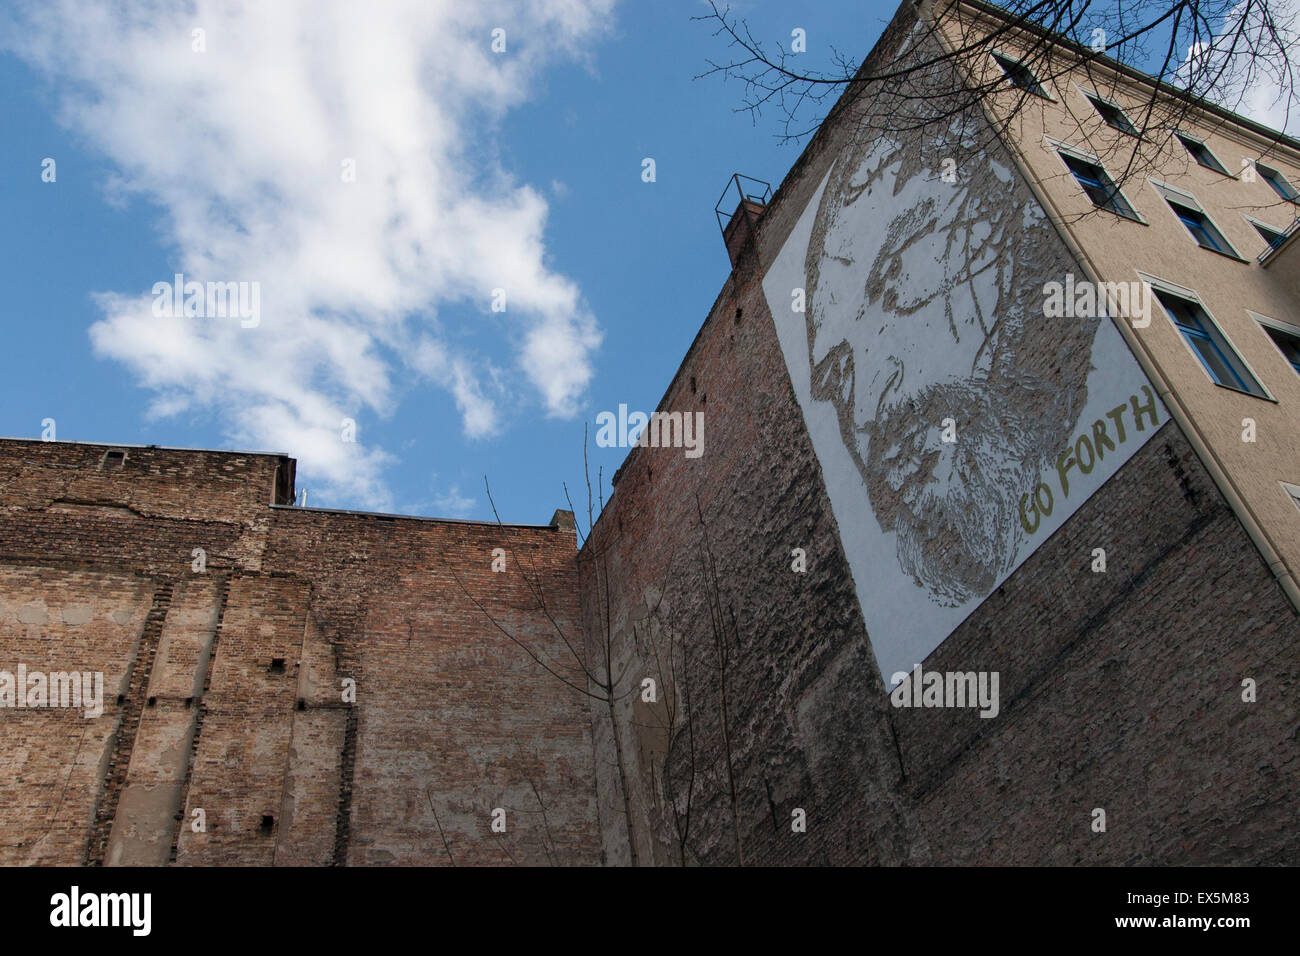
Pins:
<point x="953" y="505"/>
<point x="918" y="313"/>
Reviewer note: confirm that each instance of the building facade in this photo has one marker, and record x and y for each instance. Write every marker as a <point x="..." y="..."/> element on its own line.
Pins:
<point x="990" y="557"/>
<point x="927" y="472"/>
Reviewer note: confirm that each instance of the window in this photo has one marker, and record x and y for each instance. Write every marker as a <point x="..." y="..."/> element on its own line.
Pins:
<point x="113" y="460"/>
<point x="1020" y="75"/>
<point x="1202" y="230"/>
<point x="1112" y="114"/>
<point x="1100" y="188"/>
<point x="1190" y="213"/>
<point x="1292" y="491"/>
<point x="1273" y="237"/>
<point x="1221" y="361"/>
<point x="1286" y="338"/>
<point x="1281" y="185"/>
<point x="1201" y="153"/>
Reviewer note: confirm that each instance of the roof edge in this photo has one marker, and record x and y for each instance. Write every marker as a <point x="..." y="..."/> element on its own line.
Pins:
<point x="111" y="444"/>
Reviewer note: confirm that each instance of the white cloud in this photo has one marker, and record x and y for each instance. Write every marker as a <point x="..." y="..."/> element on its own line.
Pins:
<point x="242" y="147"/>
<point x="453" y="504"/>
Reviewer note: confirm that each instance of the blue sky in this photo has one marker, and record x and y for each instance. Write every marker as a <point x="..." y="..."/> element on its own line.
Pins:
<point x="135" y="200"/>
<point x="474" y="170"/>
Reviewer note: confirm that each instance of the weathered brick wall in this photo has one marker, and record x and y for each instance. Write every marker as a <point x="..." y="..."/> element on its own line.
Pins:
<point x="1122" y="691"/>
<point x="803" y="689"/>
<point x="52" y="760"/>
<point x="224" y="687"/>
<point x="1119" y="690"/>
<point x="459" y="716"/>
<point x="143" y="824"/>
<point x="151" y="482"/>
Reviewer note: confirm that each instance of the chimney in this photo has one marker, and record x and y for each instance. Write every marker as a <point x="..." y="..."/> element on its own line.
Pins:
<point x="751" y="201"/>
<point x="741" y="227"/>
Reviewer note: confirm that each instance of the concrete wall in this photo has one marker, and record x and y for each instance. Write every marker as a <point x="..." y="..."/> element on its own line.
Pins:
<point x="223" y="688"/>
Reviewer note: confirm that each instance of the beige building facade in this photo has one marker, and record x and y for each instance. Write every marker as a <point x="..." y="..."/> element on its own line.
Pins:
<point x="1205" y="213"/>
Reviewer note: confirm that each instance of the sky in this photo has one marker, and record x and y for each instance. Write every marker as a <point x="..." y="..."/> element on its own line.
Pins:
<point x="438" y="214"/>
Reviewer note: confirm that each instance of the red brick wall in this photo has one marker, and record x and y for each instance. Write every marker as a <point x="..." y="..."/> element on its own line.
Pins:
<point x="53" y="760"/>
<point x="230" y="679"/>
<point x="1119" y="690"/>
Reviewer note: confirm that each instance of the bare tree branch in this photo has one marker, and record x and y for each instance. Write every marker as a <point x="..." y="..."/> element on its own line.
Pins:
<point x="1200" y="56"/>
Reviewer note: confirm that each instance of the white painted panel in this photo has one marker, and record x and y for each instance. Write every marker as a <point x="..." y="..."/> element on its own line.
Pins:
<point x="925" y="302"/>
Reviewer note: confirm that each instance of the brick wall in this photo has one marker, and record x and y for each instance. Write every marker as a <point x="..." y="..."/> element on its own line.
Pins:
<point x="224" y="688"/>
<point x="1119" y="690"/>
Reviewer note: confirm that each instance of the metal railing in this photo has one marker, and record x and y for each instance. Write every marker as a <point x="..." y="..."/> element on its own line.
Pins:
<point x="743" y="195"/>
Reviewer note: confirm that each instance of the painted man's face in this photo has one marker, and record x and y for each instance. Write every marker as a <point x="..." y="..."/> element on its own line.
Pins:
<point x="917" y="310"/>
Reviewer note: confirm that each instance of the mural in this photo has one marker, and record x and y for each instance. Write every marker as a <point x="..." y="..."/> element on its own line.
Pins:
<point x="953" y="421"/>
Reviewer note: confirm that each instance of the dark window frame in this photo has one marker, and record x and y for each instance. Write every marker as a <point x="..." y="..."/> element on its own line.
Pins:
<point x="1112" y="114"/>
<point x="1200" y="225"/>
<point x="1278" y="182"/>
<point x="1020" y="75"/>
<point x="113" y="460"/>
<point x="1202" y="228"/>
<point x="1292" y="492"/>
<point x="1210" y="345"/>
<point x="1098" y="186"/>
<point x="1273" y="237"/>
<point x="1287" y="342"/>
<point x="1201" y="152"/>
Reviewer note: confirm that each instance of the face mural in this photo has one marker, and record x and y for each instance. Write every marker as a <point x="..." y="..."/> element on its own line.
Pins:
<point x="936" y="392"/>
<point x="920" y="296"/>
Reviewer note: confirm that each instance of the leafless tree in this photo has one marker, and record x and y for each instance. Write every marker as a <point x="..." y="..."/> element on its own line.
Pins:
<point x="680" y="733"/>
<point x="662" y="642"/>
<point x="722" y="644"/>
<point x="687" y="638"/>
<point x="595" y="676"/>
<point x="680" y="649"/>
<point x="1203" y="56"/>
